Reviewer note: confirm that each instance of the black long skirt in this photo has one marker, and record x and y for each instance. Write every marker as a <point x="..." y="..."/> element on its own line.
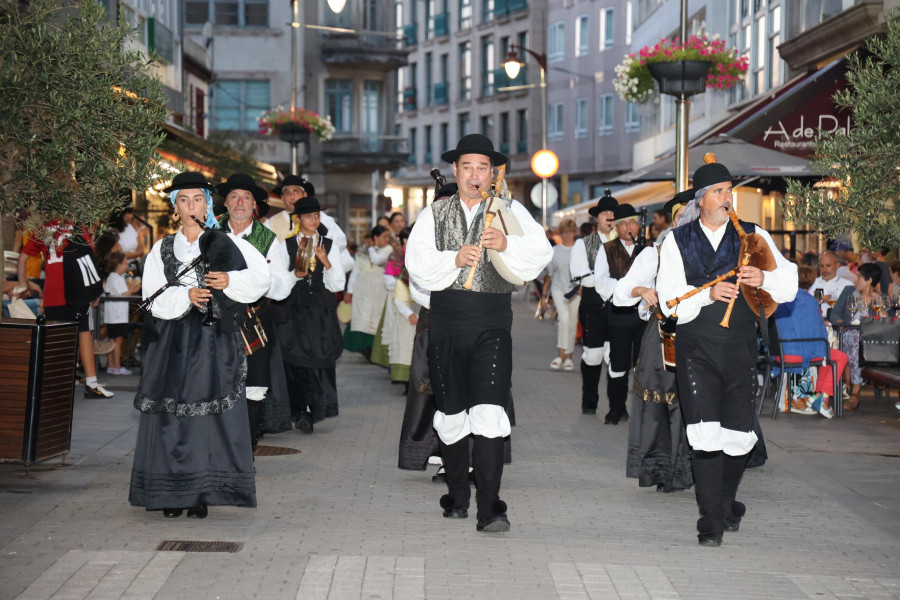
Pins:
<point x="193" y="444"/>
<point x="658" y="451"/>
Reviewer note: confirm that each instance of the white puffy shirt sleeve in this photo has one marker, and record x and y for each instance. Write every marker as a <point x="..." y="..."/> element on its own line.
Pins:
<point x="250" y="284"/>
<point x="379" y="256"/>
<point x="671" y="283"/>
<point x="782" y="283"/>
<point x="433" y="269"/>
<point x="335" y="277"/>
<point x="642" y="273"/>
<point x="528" y="254"/>
<point x="603" y="283"/>
<point x="419" y="294"/>
<point x="173" y="302"/>
<point x="282" y="277"/>
<point x="578" y="261"/>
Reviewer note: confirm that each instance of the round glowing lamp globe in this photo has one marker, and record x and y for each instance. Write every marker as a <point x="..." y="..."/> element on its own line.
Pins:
<point x="544" y="163"/>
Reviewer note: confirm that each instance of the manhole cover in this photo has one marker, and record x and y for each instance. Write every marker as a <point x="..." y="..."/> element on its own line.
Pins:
<point x="274" y="451"/>
<point x="198" y="546"/>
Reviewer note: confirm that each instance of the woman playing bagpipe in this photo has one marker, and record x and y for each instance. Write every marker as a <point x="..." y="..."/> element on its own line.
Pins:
<point x="193" y="446"/>
<point x="311" y="340"/>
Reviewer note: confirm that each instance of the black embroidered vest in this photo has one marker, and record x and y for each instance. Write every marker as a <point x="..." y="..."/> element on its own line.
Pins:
<point x="702" y="264"/>
<point x="592" y="245"/>
<point x="311" y="289"/>
<point x="619" y="262"/>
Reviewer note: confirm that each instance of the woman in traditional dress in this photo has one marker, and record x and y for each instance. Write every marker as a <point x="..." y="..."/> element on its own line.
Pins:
<point x="193" y="446"/>
<point x="404" y="330"/>
<point x="367" y="294"/>
<point x="312" y="342"/>
<point x="380" y="347"/>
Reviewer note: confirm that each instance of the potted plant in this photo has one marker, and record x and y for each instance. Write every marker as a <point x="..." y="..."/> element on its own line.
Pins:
<point x="679" y="67"/>
<point x="294" y="125"/>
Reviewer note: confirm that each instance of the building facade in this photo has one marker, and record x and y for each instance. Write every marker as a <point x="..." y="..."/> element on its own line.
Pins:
<point x="348" y="75"/>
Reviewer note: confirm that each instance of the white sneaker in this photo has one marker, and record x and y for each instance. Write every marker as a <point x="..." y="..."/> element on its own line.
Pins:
<point x="112" y="371"/>
<point x="568" y="365"/>
<point x="123" y="371"/>
<point x="97" y="391"/>
<point x="556" y="364"/>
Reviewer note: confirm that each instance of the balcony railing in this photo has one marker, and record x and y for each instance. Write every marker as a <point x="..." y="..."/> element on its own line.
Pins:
<point x="522" y="147"/>
<point x="504" y="148"/>
<point x="502" y="80"/>
<point x="514" y="5"/>
<point x="441" y="93"/>
<point x="366" y="151"/>
<point x="375" y="52"/>
<point x="441" y="24"/>
<point x="500" y="8"/>
<point x="409" y="98"/>
<point x="410" y="35"/>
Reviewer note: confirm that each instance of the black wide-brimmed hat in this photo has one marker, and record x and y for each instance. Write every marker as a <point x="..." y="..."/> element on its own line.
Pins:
<point x="295" y="180"/>
<point x="624" y="211"/>
<point x="240" y="181"/>
<point x="605" y="203"/>
<point x="679" y="199"/>
<point x="475" y="143"/>
<point x="307" y="205"/>
<point x="189" y="180"/>
<point x="711" y="174"/>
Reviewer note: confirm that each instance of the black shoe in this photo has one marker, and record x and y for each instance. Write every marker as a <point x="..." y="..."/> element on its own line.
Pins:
<point x="589" y="411"/>
<point x="610" y="419"/>
<point x="624" y="417"/>
<point x="198" y="512"/>
<point x="710" y="539"/>
<point x="440" y="476"/>
<point x="304" y="424"/>
<point x="732" y="525"/>
<point x="456" y="513"/>
<point x="172" y="513"/>
<point x="496" y="524"/>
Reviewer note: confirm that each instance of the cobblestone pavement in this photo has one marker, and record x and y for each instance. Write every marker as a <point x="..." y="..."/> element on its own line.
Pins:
<point x="339" y="520"/>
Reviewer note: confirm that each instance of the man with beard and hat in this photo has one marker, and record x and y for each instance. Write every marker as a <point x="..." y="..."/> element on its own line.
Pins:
<point x="291" y="189"/>
<point x="625" y="325"/>
<point x="470" y="348"/>
<point x="312" y="342"/>
<point x="592" y="313"/>
<point x="716" y="366"/>
<point x="246" y="202"/>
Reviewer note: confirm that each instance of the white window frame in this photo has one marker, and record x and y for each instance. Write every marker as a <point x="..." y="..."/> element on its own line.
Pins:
<point x="582" y="35"/>
<point x="605" y="114"/>
<point x="556" y="41"/>
<point x="632" y="117"/>
<point x="556" y="127"/>
<point x="581" y="117"/>
<point x="606" y="15"/>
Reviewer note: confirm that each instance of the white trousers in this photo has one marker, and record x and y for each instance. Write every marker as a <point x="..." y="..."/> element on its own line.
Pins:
<point x="567" y="314"/>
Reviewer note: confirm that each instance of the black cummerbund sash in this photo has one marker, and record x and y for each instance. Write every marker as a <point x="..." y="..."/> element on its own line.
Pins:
<point x="456" y="312"/>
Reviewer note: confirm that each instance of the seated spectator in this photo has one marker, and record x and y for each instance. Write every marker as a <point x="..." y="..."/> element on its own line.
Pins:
<point x="846" y="264"/>
<point x="852" y="304"/>
<point x="828" y="281"/>
<point x="894" y="288"/>
<point x="810" y="259"/>
<point x="801" y="319"/>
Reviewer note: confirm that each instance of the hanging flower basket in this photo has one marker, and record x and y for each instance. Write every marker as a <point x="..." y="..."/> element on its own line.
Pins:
<point x="291" y="125"/>
<point x="635" y="83"/>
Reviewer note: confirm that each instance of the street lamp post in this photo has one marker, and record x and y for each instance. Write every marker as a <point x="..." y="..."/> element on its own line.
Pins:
<point x="297" y="67"/>
<point x="512" y="65"/>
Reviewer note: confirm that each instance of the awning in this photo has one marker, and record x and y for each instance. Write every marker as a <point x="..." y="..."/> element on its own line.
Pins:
<point x="639" y="196"/>
<point x="741" y="158"/>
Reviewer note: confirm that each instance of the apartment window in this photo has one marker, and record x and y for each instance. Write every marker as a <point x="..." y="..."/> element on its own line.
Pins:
<point x="238" y="13"/>
<point x="632" y="117"/>
<point x="605" y="114"/>
<point x="463" y="124"/>
<point x="413" y="151"/>
<point x="556" y="41"/>
<point x="487" y="126"/>
<point x="582" y="34"/>
<point x="581" y="117"/>
<point x="371" y="108"/>
<point x="607" y="28"/>
<point x="413" y="83"/>
<point x="487" y="11"/>
<point x="429" y="80"/>
<point x="445" y="136"/>
<point x="504" y="132"/>
<point x="555" y="123"/>
<point x="237" y="104"/>
<point x="333" y="19"/>
<point x="339" y="104"/>
<point x="522" y="127"/>
<point x="759" y="59"/>
<point x="465" y="14"/>
<point x="429" y="19"/>
<point x="428" y="157"/>
<point x="465" y="71"/>
<point x="774" y="58"/>
<point x="371" y="15"/>
<point x="487" y="66"/>
<point x="401" y="87"/>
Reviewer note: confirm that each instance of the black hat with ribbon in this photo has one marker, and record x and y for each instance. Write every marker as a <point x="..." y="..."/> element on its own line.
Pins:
<point x="309" y="204"/>
<point x="308" y="187"/>
<point x="679" y="199"/>
<point x="240" y="181"/>
<point x="475" y="143"/>
<point x="623" y="212"/>
<point x="607" y="202"/>
<point x="711" y="174"/>
<point x="189" y="180"/>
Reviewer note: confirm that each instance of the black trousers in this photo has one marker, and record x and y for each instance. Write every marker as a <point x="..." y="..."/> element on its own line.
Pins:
<point x="312" y="391"/>
<point x="594" y="317"/>
<point x="624" y="349"/>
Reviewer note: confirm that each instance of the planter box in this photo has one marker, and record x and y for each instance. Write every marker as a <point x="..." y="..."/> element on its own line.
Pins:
<point x="37" y="384"/>
<point x="686" y="77"/>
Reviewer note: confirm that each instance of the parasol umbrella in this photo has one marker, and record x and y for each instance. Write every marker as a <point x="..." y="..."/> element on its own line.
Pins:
<point x="742" y="158"/>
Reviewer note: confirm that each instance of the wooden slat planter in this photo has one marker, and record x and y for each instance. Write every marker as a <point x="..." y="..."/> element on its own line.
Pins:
<point x="37" y="384"/>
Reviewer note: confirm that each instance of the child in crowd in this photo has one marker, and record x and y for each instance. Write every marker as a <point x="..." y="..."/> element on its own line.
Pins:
<point x="115" y="314"/>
